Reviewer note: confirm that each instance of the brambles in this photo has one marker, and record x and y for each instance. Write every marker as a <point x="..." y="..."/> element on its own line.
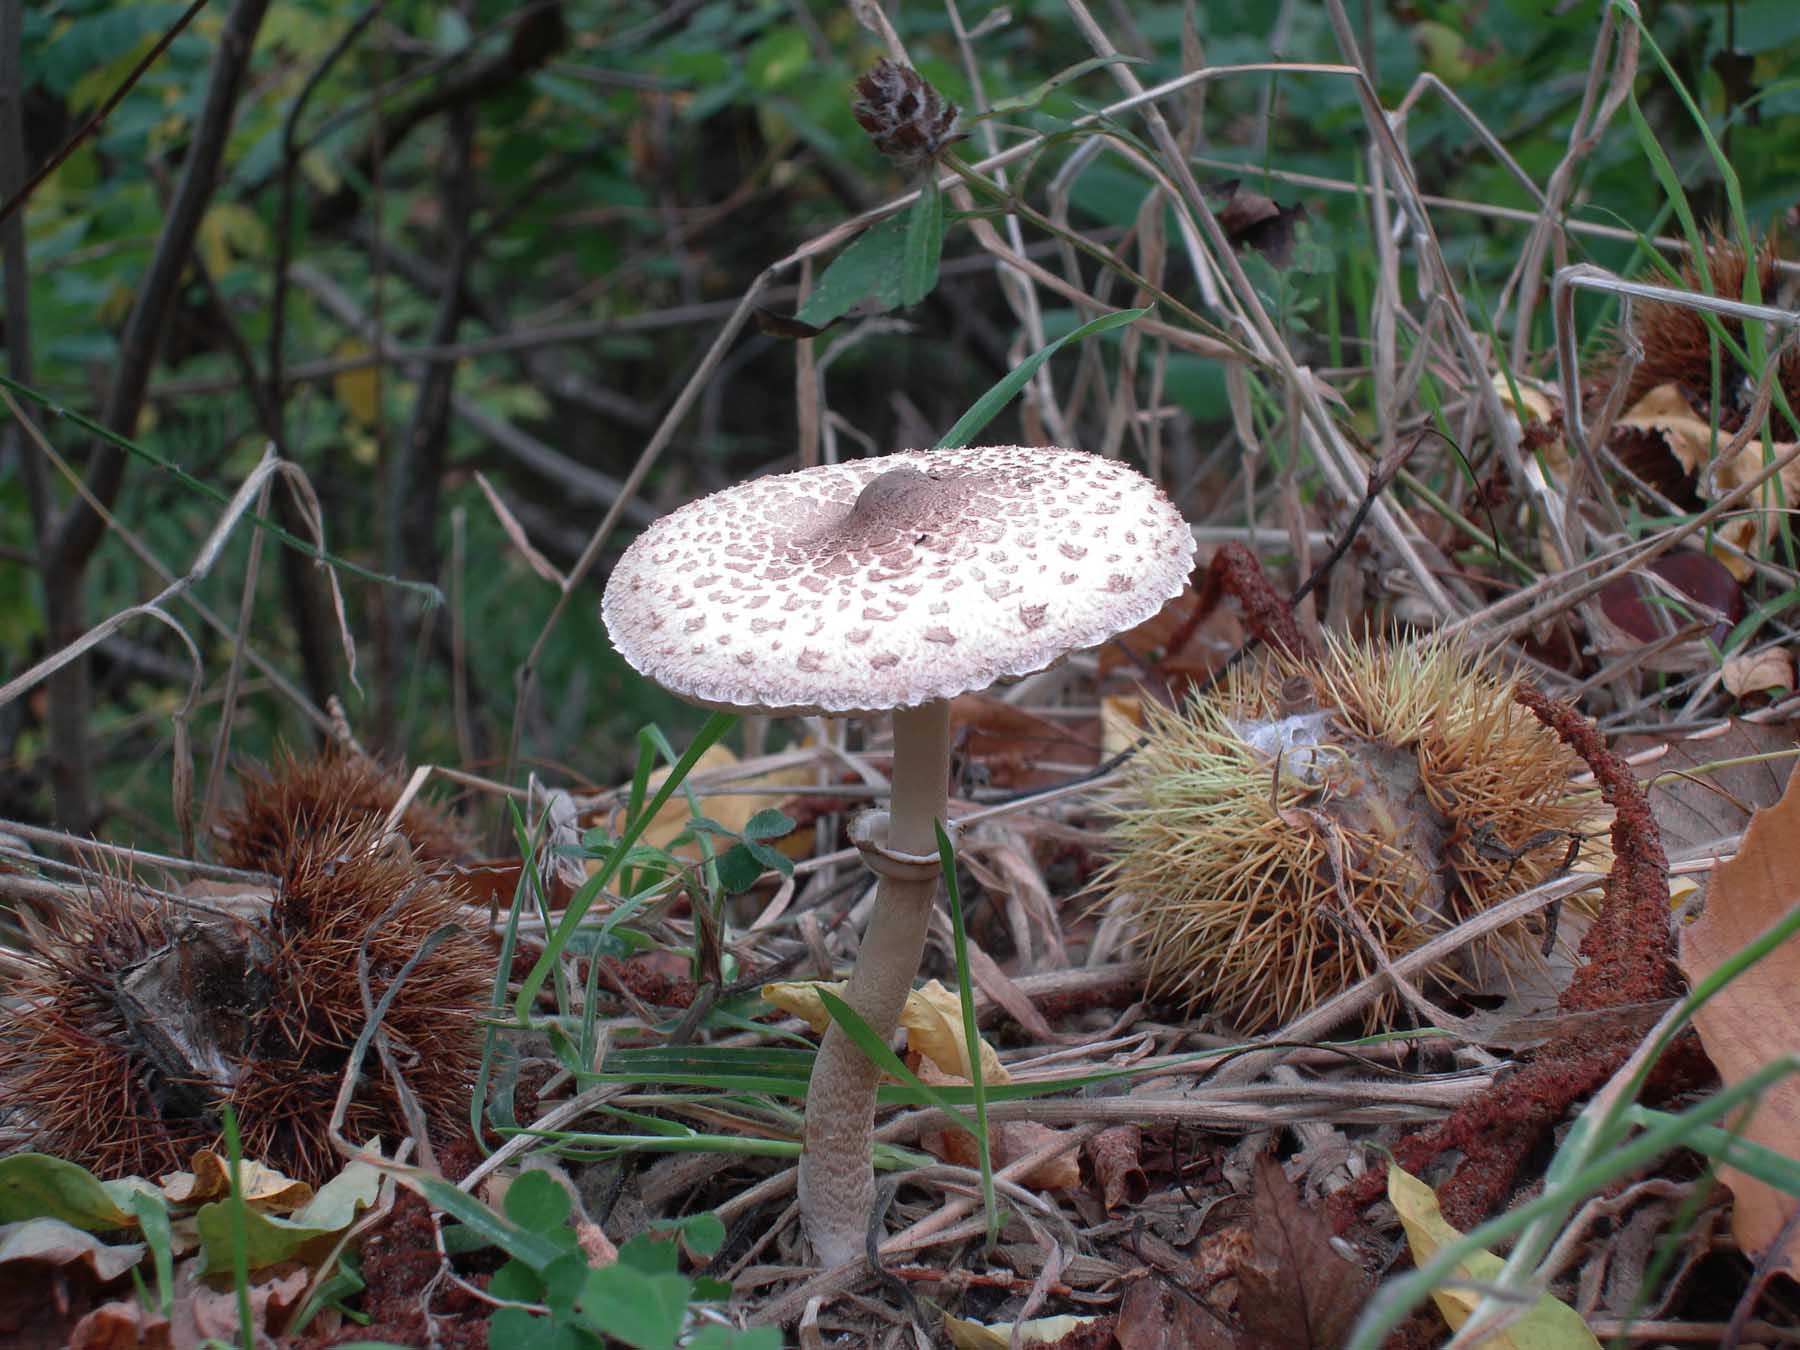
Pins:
<point x="1402" y="780"/>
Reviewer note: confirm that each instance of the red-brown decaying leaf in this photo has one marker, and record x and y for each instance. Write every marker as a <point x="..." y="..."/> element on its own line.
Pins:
<point x="1010" y="743"/>
<point x="1114" y="1153"/>
<point x="1298" y="1294"/>
<point x="1754" y="1018"/>
<point x="1157" y="1316"/>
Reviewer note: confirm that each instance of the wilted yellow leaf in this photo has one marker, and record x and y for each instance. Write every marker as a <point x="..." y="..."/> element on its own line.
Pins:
<point x="800" y="998"/>
<point x="1772" y="668"/>
<point x="229" y="230"/>
<point x="934" y="1027"/>
<point x="1665" y="412"/>
<point x="1549" y="1325"/>
<point x="932" y="1018"/>
<point x="264" y="1187"/>
<point x="359" y="390"/>
<point x="1038" y="1331"/>
<point x="1531" y="406"/>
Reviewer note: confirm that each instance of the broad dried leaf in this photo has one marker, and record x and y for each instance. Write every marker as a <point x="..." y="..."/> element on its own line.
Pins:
<point x="1038" y="1331"/>
<point x="122" y="1325"/>
<point x="1156" y="1316"/>
<point x="934" y="1027"/>
<point x="1009" y="1140"/>
<point x="1549" y="1325"/>
<point x="1665" y="412"/>
<point x="215" y="1312"/>
<point x="1010" y="743"/>
<point x="1200" y="653"/>
<point x="1115" y="1154"/>
<point x="28" y="1247"/>
<point x="1298" y="1292"/>
<point x="264" y="1187"/>
<point x="1772" y="668"/>
<point x="1754" y="1018"/>
<point x="732" y="810"/>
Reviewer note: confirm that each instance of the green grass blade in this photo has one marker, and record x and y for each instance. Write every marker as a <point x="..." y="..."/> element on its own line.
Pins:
<point x="988" y="406"/>
<point x="971" y="1033"/>
<point x="716" y="726"/>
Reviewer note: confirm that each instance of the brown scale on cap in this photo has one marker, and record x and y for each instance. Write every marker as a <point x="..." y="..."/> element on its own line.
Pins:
<point x="888" y="583"/>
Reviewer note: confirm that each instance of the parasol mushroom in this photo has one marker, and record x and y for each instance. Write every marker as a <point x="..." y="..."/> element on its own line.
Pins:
<point x="890" y="585"/>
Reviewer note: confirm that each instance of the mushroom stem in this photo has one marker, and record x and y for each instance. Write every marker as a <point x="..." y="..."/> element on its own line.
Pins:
<point x="837" y="1178"/>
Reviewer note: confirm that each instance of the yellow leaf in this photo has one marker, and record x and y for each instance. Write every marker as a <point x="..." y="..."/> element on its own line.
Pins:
<point x="264" y="1187"/>
<point x="934" y="1027"/>
<point x="1548" y="1325"/>
<point x="1531" y="400"/>
<point x="227" y="231"/>
<point x="800" y="998"/>
<point x="1664" y="412"/>
<point x="932" y="1018"/>
<point x="359" y="390"/>
<point x="1038" y="1331"/>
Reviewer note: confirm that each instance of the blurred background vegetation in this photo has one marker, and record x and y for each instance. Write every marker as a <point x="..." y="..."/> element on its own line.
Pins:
<point x="498" y="239"/>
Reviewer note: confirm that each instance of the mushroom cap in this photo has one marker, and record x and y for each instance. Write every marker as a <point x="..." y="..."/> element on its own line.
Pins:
<point x="889" y="582"/>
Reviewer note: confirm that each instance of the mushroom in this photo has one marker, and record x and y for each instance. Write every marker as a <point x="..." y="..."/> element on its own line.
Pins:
<point x="890" y="585"/>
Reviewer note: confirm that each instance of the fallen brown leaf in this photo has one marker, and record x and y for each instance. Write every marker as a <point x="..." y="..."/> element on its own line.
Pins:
<point x="1298" y="1292"/>
<point x="1754" y="1018"/>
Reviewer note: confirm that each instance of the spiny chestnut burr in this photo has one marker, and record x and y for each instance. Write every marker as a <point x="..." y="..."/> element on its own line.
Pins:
<point x="294" y="798"/>
<point x="909" y="121"/>
<point x="1677" y="341"/>
<point x="141" y="1021"/>
<point x="1411" y="763"/>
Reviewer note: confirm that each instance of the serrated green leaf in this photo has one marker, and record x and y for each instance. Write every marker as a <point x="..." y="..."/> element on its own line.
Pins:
<point x="869" y="267"/>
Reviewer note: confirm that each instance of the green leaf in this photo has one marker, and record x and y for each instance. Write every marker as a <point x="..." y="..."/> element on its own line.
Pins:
<point x="769" y="823"/>
<point x="519" y="1330"/>
<point x="153" y="1221"/>
<point x="870" y="266"/>
<point x="269" y="1239"/>
<point x="38" y="1186"/>
<point x="535" y="1201"/>
<point x="738" y="869"/>
<point x="924" y="244"/>
<point x="535" y="1250"/>
<point x="773" y="859"/>
<point x="988" y="406"/>
<point x="724" y="1338"/>
<point x="646" y="1311"/>
<point x="703" y="1233"/>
